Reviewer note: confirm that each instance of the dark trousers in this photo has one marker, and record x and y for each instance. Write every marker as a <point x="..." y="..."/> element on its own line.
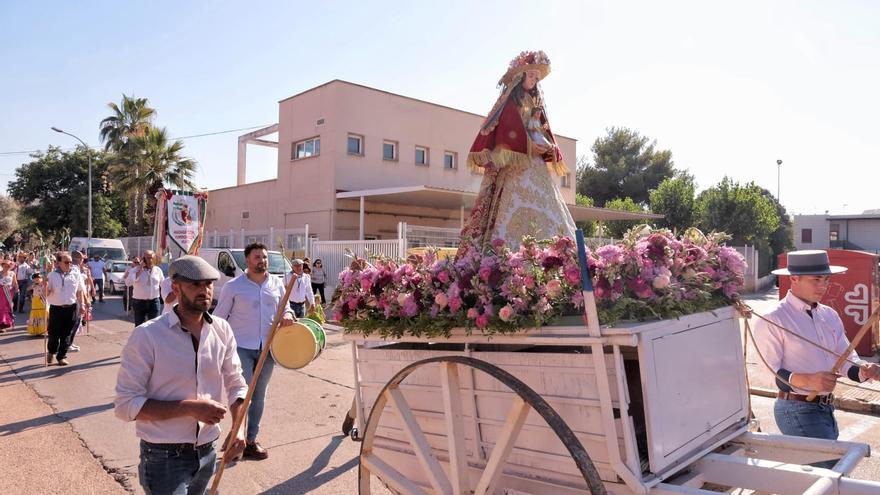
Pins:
<point x="174" y="468"/>
<point x="126" y="298"/>
<point x="23" y="286"/>
<point x="145" y="309"/>
<point x="299" y="309"/>
<point x="63" y="321"/>
<point x="99" y="288"/>
<point x="320" y="289"/>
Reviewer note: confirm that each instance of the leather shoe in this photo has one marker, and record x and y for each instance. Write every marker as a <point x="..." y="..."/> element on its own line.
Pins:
<point x="253" y="450"/>
<point x="49" y="358"/>
<point x="63" y="362"/>
<point x="347" y="424"/>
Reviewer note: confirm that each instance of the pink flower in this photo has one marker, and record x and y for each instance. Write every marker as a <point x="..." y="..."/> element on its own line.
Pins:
<point x="506" y="313"/>
<point x="485" y="273"/>
<point x="661" y="282"/>
<point x="366" y="282"/>
<point x="441" y="300"/>
<point x="443" y="276"/>
<point x="572" y="275"/>
<point x="497" y="243"/>
<point x="472" y="313"/>
<point x="401" y="298"/>
<point x="454" y="304"/>
<point x="529" y="282"/>
<point x="482" y="321"/>
<point x="554" y="288"/>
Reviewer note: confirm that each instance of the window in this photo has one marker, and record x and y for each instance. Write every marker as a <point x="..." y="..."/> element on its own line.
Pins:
<point x="225" y="264"/>
<point x="807" y="236"/>
<point x="245" y="214"/>
<point x="565" y="180"/>
<point x="834" y="233"/>
<point x="450" y="160"/>
<point x="389" y="150"/>
<point x="305" y="149"/>
<point x="421" y="155"/>
<point x="355" y="144"/>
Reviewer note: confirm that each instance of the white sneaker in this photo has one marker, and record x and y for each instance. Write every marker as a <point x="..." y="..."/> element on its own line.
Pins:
<point x="73" y="348"/>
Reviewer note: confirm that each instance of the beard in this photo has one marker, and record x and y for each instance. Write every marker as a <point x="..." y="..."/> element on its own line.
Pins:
<point x="259" y="268"/>
<point x="200" y="303"/>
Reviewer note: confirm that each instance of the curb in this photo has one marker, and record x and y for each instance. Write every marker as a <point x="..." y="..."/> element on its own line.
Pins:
<point x="842" y="403"/>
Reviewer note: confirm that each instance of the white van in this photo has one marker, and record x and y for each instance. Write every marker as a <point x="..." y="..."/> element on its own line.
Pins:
<point x="107" y="249"/>
<point x="230" y="263"/>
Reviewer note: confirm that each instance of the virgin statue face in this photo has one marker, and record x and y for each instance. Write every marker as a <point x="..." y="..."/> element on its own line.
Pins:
<point x="530" y="80"/>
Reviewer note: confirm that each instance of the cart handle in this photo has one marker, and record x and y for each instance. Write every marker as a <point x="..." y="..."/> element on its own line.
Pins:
<point x="586" y="281"/>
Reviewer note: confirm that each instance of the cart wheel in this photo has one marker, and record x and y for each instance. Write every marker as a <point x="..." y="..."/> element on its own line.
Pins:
<point x="457" y="482"/>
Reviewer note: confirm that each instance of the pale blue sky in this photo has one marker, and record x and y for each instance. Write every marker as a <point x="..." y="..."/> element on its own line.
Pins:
<point x="729" y="87"/>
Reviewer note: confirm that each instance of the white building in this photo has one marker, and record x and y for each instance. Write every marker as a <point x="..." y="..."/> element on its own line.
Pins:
<point x="858" y="232"/>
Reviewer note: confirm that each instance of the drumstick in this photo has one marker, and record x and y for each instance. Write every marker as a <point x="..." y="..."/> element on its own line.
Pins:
<point x="237" y="421"/>
<point x="843" y="357"/>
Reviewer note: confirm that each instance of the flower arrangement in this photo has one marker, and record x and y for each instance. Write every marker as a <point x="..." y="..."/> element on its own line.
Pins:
<point x="651" y="274"/>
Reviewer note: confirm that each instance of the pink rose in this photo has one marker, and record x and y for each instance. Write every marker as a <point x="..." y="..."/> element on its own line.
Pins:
<point x="482" y="321"/>
<point x="401" y="298"/>
<point x="472" y="313"/>
<point x="554" y="288"/>
<point x="529" y="282"/>
<point x="454" y="304"/>
<point x="572" y="275"/>
<point x="441" y="300"/>
<point x="443" y="276"/>
<point x="485" y="272"/>
<point x="506" y="313"/>
<point x="366" y="283"/>
<point x="661" y="282"/>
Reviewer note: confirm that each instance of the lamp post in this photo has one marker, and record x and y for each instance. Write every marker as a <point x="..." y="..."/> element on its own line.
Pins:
<point x="89" y="156"/>
<point x="778" y="175"/>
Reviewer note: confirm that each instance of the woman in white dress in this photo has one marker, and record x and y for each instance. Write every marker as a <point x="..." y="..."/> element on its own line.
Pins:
<point x="519" y="157"/>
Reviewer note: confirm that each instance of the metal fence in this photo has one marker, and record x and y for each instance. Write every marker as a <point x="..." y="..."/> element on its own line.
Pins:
<point x="135" y="246"/>
<point x="336" y="255"/>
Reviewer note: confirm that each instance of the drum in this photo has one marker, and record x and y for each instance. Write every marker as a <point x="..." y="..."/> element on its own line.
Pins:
<point x="299" y="344"/>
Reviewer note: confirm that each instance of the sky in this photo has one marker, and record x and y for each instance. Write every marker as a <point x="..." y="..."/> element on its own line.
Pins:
<point x="728" y="87"/>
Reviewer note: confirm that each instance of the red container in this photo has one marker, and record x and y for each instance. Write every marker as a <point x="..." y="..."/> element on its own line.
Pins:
<point x="853" y="294"/>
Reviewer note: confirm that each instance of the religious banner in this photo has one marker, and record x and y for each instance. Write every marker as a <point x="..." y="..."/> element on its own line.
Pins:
<point x="180" y="217"/>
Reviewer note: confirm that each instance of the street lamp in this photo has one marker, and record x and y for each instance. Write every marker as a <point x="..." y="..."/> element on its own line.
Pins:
<point x="778" y="174"/>
<point x="89" y="156"/>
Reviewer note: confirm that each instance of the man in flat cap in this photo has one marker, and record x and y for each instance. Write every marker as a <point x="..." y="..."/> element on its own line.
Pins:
<point x="161" y="385"/>
<point x="802" y="368"/>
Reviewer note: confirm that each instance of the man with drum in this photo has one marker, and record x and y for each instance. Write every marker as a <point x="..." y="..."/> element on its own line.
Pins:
<point x="249" y="302"/>
<point x="802" y="368"/>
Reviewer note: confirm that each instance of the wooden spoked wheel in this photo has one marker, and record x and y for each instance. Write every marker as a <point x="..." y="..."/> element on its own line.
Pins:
<point x="456" y="482"/>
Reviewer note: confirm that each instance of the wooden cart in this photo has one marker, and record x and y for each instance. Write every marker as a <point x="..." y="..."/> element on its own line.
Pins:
<point x="659" y="408"/>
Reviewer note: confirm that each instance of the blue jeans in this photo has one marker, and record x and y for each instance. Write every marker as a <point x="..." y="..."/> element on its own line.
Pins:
<point x="145" y="309"/>
<point x="807" y="419"/>
<point x="176" y="469"/>
<point x="249" y="358"/>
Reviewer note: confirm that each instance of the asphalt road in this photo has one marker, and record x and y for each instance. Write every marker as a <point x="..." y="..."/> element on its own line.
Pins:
<point x="300" y="426"/>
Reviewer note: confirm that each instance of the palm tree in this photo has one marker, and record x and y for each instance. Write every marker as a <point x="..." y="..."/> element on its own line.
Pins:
<point x="129" y="121"/>
<point x="162" y="164"/>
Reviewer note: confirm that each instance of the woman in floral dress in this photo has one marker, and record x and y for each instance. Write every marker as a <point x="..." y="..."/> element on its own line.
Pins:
<point x="39" y="317"/>
<point x="517" y="152"/>
<point x="8" y="287"/>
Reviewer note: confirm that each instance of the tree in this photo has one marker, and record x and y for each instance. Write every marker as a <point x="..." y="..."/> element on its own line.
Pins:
<point x="162" y="165"/>
<point x="625" y="165"/>
<point x="8" y="216"/>
<point x="740" y="210"/>
<point x="589" y="227"/>
<point x="617" y="228"/>
<point x="782" y="239"/>
<point x="53" y="192"/>
<point x="674" y="199"/>
<point x="128" y="121"/>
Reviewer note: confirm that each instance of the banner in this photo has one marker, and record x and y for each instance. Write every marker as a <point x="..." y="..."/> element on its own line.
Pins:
<point x="180" y="216"/>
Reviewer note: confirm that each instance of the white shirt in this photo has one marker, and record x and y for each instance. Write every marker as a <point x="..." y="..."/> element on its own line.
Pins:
<point x="782" y="350"/>
<point x="24" y="272"/>
<point x="146" y="286"/>
<point x="97" y="268"/>
<point x="302" y="288"/>
<point x="250" y="308"/>
<point x="63" y="287"/>
<point x="159" y="363"/>
<point x="164" y="290"/>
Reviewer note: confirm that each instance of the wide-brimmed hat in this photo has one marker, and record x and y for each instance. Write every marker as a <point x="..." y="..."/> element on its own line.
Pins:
<point x="808" y="262"/>
<point x="527" y="61"/>
<point x="192" y="268"/>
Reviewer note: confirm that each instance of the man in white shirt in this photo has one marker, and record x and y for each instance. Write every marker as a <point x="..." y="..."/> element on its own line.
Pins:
<point x="176" y="407"/>
<point x="145" y="297"/>
<point x="250" y="302"/>
<point x="23" y="274"/>
<point x="301" y="296"/>
<point x="64" y="289"/>
<point x="802" y="368"/>
<point x="97" y="267"/>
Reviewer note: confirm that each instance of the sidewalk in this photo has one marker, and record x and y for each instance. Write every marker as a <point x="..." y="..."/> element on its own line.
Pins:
<point x="761" y="381"/>
<point x="41" y="454"/>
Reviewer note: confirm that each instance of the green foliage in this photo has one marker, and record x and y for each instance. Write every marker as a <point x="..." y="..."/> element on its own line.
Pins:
<point x="53" y="192"/>
<point x="588" y="227"/>
<point x="674" y="199"/>
<point x="617" y="228"/>
<point x="625" y="165"/>
<point x="8" y="216"/>
<point x="740" y="210"/>
<point x="782" y="239"/>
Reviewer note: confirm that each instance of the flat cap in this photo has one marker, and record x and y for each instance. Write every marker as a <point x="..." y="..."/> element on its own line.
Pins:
<point x="192" y="268"/>
<point x="297" y="262"/>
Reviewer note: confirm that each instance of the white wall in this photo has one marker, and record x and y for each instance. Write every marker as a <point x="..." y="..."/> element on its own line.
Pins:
<point x="820" y="227"/>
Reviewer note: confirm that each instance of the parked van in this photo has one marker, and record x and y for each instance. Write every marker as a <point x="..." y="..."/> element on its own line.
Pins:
<point x="107" y="249"/>
<point x="230" y="263"/>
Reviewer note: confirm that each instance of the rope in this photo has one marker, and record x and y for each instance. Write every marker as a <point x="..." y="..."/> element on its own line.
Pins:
<point x="746" y="311"/>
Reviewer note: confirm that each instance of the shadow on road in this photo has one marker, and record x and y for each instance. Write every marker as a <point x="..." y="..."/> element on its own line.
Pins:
<point x="55" y="370"/>
<point x="22" y="358"/>
<point x="312" y="477"/>
<point x="50" y="419"/>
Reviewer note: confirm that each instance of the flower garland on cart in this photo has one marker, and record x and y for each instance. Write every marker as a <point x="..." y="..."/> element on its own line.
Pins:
<point x="650" y="274"/>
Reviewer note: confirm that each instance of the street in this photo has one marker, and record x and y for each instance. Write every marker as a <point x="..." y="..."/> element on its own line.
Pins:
<point x="300" y="428"/>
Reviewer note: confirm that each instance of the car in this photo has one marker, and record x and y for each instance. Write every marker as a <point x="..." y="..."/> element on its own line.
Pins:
<point x="231" y="263"/>
<point x="116" y="275"/>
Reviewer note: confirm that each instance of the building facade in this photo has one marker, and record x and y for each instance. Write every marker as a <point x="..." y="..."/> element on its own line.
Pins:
<point x="859" y="232"/>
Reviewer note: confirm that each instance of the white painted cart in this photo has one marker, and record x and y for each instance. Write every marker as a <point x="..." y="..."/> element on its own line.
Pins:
<point x="653" y="408"/>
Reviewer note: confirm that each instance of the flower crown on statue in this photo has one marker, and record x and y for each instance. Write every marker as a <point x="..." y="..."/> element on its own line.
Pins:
<point x="526" y="61"/>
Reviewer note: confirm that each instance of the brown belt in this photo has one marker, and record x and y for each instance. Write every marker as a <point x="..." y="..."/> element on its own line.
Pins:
<point x="820" y="399"/>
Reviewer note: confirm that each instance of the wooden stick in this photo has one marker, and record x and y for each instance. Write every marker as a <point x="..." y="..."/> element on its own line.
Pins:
<point x="843" y="357"/>
<point x="237" y="421"/>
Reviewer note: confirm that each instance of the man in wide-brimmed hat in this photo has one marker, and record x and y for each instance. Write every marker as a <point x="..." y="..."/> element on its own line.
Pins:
<point x="803" y="368"/>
